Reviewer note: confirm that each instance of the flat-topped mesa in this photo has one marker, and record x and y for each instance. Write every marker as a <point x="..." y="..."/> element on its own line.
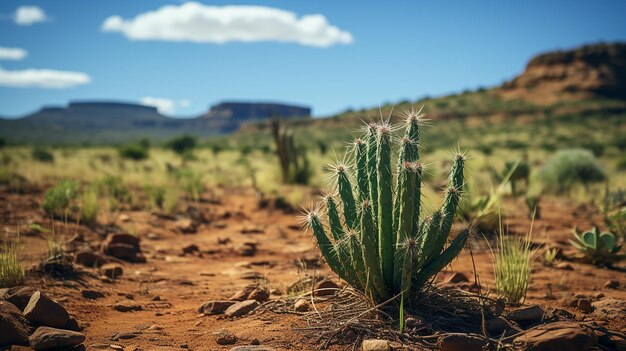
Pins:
<point x="589" y="71"/>
<point x="99" y="105"/>
<point x="243" y="111"/>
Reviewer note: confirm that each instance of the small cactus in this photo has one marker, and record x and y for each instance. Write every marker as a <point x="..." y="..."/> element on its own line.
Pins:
<point x="294" y="165"/>
<point x="378" y="241"/>
<point x="599" y="248"/>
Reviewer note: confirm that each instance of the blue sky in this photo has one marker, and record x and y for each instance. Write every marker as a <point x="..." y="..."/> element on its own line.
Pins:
<point x="362" y="54"/>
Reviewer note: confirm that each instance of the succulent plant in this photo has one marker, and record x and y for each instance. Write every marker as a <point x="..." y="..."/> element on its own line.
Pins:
<point x="599" y="248"/>
<point x="379" y="243"/>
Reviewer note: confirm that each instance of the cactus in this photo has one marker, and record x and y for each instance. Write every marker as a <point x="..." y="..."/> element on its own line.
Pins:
<point x="599" y="248"/>
<point x="294" y="165"/>
<point x="377" y="240"/>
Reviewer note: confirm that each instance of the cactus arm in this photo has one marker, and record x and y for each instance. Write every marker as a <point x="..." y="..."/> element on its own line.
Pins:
<point x="361" y="170"/>
<point x="430" y="245"/>
<point x="347" y="197"/>
<point x="326" y="247"/>
<point x="370" y="253"/>
<point x="406" y="181"/>
<point x="372" y="152"/>
<point x="333" y="219"/>
<point x="386" y="237"/>
<point x="441" y="261"/>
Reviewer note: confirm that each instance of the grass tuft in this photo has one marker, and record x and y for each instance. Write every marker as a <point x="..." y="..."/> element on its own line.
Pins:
<point x="11" y="269"/>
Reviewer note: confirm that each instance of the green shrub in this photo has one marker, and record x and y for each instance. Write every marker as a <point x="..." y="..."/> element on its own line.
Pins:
<point x="57" y="200"/>
<point x="621" y="164"/>
<point x="512" y="265"/>
<point x="113" y="187"/>
<point x="42" y="155"/>
<point x="381" y="246"/>
<point x="135" y="152"/>
<point x="567" y="168"/>
<point x="11" y="268"/>
<point x="191" y="182"/>
<point x="182" y="145"/>
<point x="89" y="206"/>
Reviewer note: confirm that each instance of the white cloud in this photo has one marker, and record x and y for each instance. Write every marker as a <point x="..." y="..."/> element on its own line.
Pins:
<point x="14" y="54"/>
<point x="42" y="78"/>
<point x="163" y="105"/>
<point x="201" y="23"/>
<point x="27" y="15"/>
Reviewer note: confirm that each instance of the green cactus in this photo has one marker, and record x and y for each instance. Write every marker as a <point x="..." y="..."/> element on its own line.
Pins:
<point x="379" y="243"/>
<point x="599" y="248"/>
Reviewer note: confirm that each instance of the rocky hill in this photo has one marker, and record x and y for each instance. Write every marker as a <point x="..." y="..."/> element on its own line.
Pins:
<point x="589" y="71"/>
<point x="102" y="122"/>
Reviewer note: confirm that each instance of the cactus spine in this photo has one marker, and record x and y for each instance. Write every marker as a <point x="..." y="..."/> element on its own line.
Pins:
<point x="380" y="244"/>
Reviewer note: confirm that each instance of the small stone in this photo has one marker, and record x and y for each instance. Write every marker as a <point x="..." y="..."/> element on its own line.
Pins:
<point x="224" y="337"/>
<point x="585" y="305"/>
<point x="20" y="296"/>
<point x="126" y="307"/>
<point x="456" y="278"/>
<point x="241" y="308"/>
<point x="124" y="218"/>
<point x="246" y="249"/>
<point x="123" y="246"/>
<point x="186" y="226"/>
<point x="13" y="325"/>
<point x="612" y="284"/>
<point x="215" y="307"/>
<point x="191" y="249"/>
<point x="564" y="266"/>
<point x="243" y="294"/>
<point x="89" y="259"/>
<point x="260" y="295"/>
<point x="527" y="315"/>
<point x="42" y="310"/>
<point x="251" y="275"/>
<point x="301" y="305"/>
<point x="91" y="294"/>
<point x="462" y="342"/>
<point x="153" y="236"/>
<point x="325" y="288"/>
<point x="499" y="325"/>
<point x="47" y="338"/>
<point x="376" y="345"/>
<point x="599" y="295"/>
<point x="566" y="336"/>
<point x="255" y="341"/>
<point x="112" y="270"/>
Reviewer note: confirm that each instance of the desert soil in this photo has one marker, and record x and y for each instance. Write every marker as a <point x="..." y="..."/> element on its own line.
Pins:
<point x="171" y="285"/>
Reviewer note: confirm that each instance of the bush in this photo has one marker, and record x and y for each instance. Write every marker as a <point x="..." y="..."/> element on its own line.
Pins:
<point x="113" y="187"/>
<point x="182" y="145"/>
<point x="621" y="164"/>
<point x="135" y="152"/>
<point x="89" y="206"/>
<point x="191" y="182"/>
<point x="567" y="168"/>
<point x="42" y="155"/>
<point x="381" y="246"/>
<point x="57" y="200"/>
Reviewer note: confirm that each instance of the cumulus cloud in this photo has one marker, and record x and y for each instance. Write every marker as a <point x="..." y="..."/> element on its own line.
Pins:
<point x="195" y="22"/>
<point x="163" y="105"/>
<point x="13" y="54"/>
<point x="42" y="78"/>
<point x="27" y="15"/>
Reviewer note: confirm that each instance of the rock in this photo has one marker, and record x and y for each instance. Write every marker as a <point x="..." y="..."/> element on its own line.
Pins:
<point x="611" y="284"/>
<point x="564" y="266"/>
<point x="599" y="295"/>
<point x="72" y="324"/>
<point x="243" y="294"/>
<point x="186" y="226"/>
<point x="456" y="278"/>
<point x="20" y="296"/>
<point x="91" y="294"/>
<point x="566" y="336"/>
<point x="224" y="337"/>
<point x="462" y="342"/>
<point x="255" y="341"/>
<point x="376" y="345"/>
<point x="499" y="325"/>
<point x="47" y="338"/>
<point x="123" y="246"/>
<point x="89" y="259"/>
<point x="246" y="249"/>
<point x="215" y="307"/>
<point x="112" y="270"/>
<point x="191" y="249"/>
<point x="251" y="275"/>
<point x="325" y="288"/>
<point x="252" y="348"/>
<point x="124" y="218"/>
<point x="13" y="325"/>
<point x="527" y="315"/>
<point x="41" y="310"/>
<point x="259" y="294"/>
<point x="241" y="308"/>
<point x="610" y="308"/>
<point x="127" y="307"/>
<point x="585" y="305"/>
<point x="4" y="292"/>
<point x="301" y="305"/>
